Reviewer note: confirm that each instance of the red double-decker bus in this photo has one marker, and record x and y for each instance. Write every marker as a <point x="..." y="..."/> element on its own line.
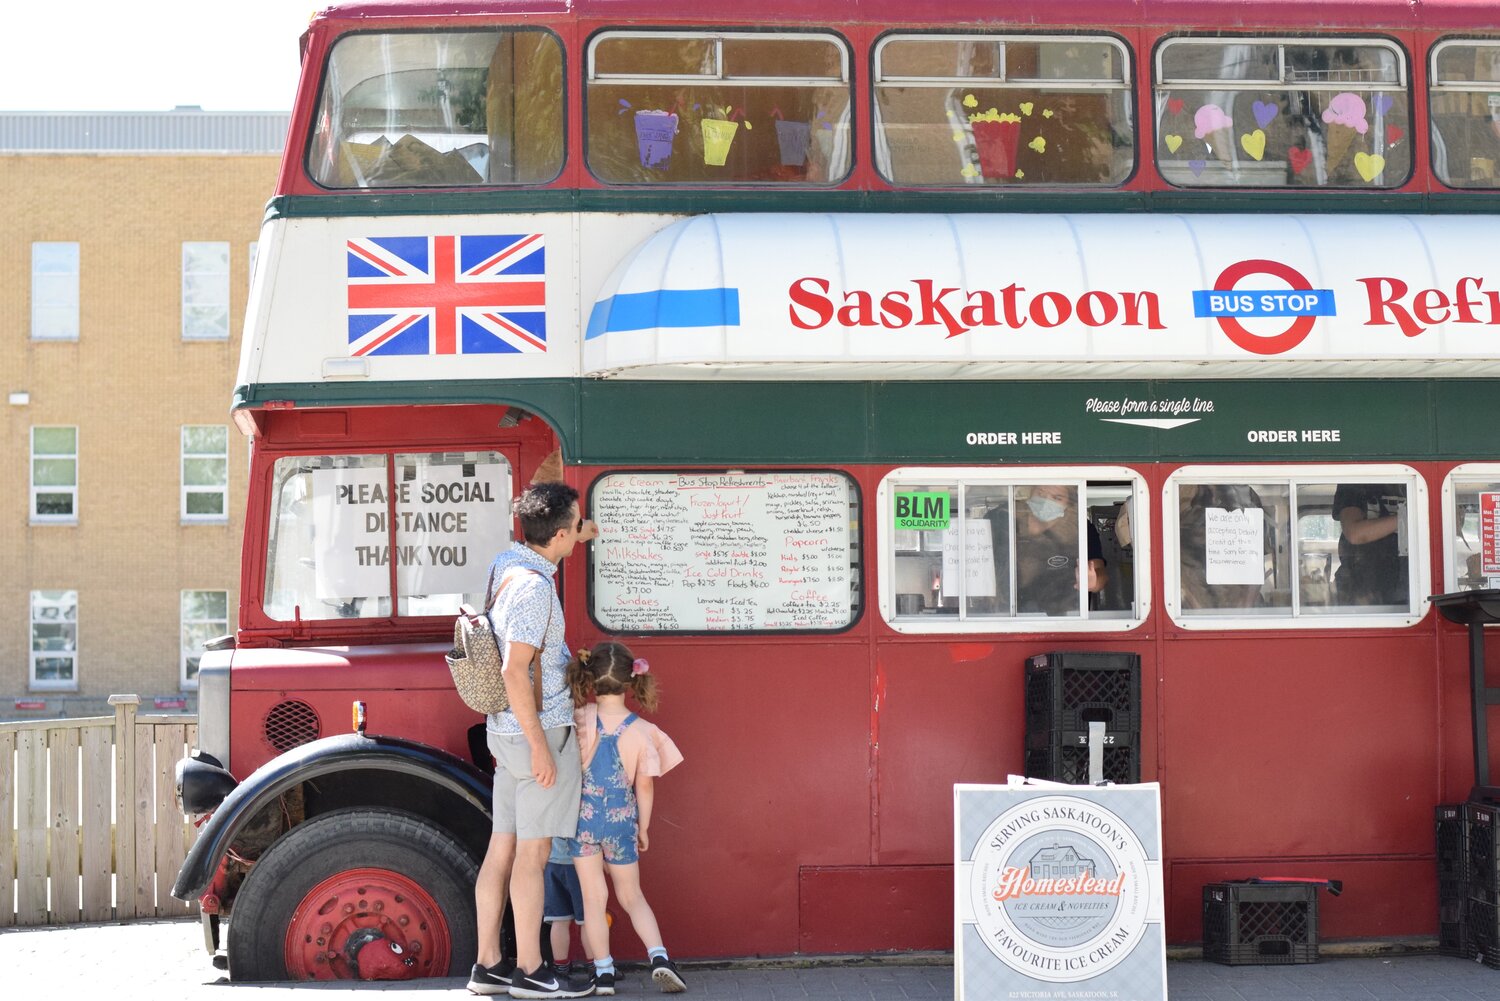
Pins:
<point x="816" y="307"/>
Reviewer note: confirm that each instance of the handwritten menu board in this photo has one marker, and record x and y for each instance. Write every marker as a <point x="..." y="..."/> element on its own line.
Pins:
<point x="702" y="552"/>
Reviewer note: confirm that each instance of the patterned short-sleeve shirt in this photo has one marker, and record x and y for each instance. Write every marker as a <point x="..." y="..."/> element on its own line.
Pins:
<point x="520" y="615"/>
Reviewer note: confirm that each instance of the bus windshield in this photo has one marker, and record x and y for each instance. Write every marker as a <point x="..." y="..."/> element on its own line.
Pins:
<point x="456" y="108"/>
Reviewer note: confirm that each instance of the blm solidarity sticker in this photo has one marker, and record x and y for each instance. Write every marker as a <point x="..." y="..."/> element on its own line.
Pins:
<point x="1060" y="889"/>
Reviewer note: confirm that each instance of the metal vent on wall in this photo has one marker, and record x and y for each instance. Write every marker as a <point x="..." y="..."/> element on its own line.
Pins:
<point x="290" y="724"/>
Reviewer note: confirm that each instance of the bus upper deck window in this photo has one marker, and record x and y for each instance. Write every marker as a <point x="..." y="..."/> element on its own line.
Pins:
<point x="997" y="111"/>
<point x="440" y="109"/>
<point x="1465" y="96"/>
<point x="717" y="108"/>
<point x="1263" y="113"/>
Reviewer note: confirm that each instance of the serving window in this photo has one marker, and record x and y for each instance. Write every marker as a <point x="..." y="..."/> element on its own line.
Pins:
<point x="440" y="109"/>
<point x="1255" y="547"/>
<point x="997" y="111"/>
<point x="1030" y="550"/>
<point x="1471" y="523"/>
<point x="725" y="551"/>
<point x="331" y="540"/>
<point x="1297" y="113"/>
<point x="1464" y="91"/>
<point x="717" y="108"/>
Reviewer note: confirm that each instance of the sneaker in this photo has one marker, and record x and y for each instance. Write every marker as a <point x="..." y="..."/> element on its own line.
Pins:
<point x="604" y="983"/>
<point x="491" y="979"/>
<point x="546" y="984"/>
<point x="664" y="972"/>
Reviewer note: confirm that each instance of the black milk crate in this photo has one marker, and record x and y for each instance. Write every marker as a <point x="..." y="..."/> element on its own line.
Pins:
<point x="1260" y="923"/>
<point x="1482" y="919"/>
<point x="1068" y="691"/>
<point x="1453" y="905"/>
<point x="1481" y="829"/>
<point x="1063" y="756"/>
<point x="1452" y="844"/>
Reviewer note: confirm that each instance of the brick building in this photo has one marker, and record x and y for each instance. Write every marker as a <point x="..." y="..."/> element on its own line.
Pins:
<point x="126" y="250"/>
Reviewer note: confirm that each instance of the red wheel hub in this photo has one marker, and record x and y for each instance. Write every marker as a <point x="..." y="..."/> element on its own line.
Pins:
<point x="367" y="924"/>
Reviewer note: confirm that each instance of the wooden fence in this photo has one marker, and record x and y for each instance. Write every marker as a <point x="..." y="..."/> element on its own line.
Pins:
<point x="89" y="824"/>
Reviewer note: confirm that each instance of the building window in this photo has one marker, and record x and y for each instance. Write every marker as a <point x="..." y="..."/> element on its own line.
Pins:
<point x="54" y="291"/>
<point x="1258" y="547"/>
<point x="54" y="474"/>
<point x="994" y="111"/>
<point x="205" y="616"/>
<point x="54" y="639"/>
<point x="718" y="108"/>
<point x="205" y="291"/>
<point x="205" y="472"/>
<point x="980" y="550"/>
<point x="1465" y="95"/>
<point x="1282" y="113"/>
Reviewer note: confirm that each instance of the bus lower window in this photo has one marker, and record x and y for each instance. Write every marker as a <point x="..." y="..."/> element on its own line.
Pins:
<point x="1011" y="551"/>
<point x="725" y="551"/>
<point x="717" y="108"/>
<point x="1293" y="547"/>
<point x="1465" y="96"/>
<point x="330" y="551"/>
<point x="1475" y="519"/>
<point x="1268" y="113"/>
<point x="419" y="109"/>
<point x="981" y="110"/>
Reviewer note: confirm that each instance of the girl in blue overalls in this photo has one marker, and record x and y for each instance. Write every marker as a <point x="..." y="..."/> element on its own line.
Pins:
<point x="622" y="756"/>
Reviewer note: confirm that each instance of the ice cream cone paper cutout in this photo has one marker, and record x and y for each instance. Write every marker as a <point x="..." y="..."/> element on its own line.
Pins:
<point x="551" y="469"/>
<point x="1339" y="139"/>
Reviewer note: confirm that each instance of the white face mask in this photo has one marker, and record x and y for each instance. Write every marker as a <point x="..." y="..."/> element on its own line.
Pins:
<point x="1045" y="508"/>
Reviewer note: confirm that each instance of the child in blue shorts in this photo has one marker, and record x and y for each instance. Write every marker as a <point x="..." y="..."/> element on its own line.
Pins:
<point x="563" y="905"/>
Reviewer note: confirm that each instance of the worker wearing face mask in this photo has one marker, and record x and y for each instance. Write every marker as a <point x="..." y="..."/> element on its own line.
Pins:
<point x="1047" y="570"/>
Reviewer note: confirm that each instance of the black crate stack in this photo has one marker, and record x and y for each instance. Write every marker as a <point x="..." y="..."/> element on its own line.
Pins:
<point x="1453" y="881"/>
<point x="1260" y="923"/>
<point x="1065" y="692"/>
<point x="1478" y="916"/>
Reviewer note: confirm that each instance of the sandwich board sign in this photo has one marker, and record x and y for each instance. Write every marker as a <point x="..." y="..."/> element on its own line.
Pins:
<point x="1058" y="892"/>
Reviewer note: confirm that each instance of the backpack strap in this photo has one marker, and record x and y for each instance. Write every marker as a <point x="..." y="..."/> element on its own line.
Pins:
<point x="536" y="658"/>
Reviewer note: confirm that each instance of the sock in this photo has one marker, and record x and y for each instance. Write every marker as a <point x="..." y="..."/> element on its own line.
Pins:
<point x="660" y="950"/>
<point x="605" y="965"/>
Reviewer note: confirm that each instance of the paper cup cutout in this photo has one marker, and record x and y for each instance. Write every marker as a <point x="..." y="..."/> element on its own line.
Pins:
<point x="998" y="139"/>
<point x="793" y="138"/>
<point x="717" y="135"/>
<point x="653" y="135"/>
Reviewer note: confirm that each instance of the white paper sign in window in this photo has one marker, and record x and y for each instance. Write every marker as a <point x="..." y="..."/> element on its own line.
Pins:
<point x="1234" y="546"/>
<point x="705" y="552"/>
<point x="978" y="560"/>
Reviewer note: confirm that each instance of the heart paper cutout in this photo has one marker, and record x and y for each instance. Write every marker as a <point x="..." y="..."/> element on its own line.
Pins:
<point x="1299" y="158"/>
<point x="1026" y="107"/>
<point x="1369" y="167"/>
<point x="1196" y="166"/>
<point x="1039" y="144"/>
<point x="1382" y="104"/>
<point x="1264" y="113"/>
<point x="1174" y="105"/>
<point x="1393" y="134"/>
<point x="1173" y="142"/>
<point x="1254" y="144"/>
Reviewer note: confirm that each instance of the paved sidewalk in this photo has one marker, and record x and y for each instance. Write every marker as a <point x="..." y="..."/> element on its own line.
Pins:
<point x="165" y="961"/>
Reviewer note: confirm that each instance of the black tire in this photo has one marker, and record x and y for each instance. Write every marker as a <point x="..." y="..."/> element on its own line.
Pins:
<point x="339" y="842"/>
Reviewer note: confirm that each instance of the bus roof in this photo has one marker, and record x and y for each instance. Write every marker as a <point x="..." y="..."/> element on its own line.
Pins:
<point x="1226" y="14"/>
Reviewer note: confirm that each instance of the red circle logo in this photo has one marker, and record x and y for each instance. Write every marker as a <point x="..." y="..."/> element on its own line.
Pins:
<point x="1255" y="343"/>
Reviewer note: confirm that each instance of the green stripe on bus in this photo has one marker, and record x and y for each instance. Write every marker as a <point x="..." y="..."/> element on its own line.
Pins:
<point x="972" y="422"/>
<point x="681" y="201"/>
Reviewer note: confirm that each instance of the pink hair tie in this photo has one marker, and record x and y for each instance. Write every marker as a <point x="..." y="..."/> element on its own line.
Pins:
<point x="639" y="666"/>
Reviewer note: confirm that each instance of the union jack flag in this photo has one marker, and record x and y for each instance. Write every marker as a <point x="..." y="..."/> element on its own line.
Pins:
<point x="443" y="295"/>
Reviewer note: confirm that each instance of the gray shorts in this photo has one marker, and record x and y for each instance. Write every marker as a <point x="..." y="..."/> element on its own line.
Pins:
<point x="521" y="806"/>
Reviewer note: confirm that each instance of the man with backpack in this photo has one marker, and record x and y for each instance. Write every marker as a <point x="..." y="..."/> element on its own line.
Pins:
<point x="537" y="774"/>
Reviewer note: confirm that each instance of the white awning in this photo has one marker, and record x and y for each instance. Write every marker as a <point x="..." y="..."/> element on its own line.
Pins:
<point x="1030" y="296"/>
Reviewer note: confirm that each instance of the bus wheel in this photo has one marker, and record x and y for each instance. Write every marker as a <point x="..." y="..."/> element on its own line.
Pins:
<point x="356" y="895"/>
